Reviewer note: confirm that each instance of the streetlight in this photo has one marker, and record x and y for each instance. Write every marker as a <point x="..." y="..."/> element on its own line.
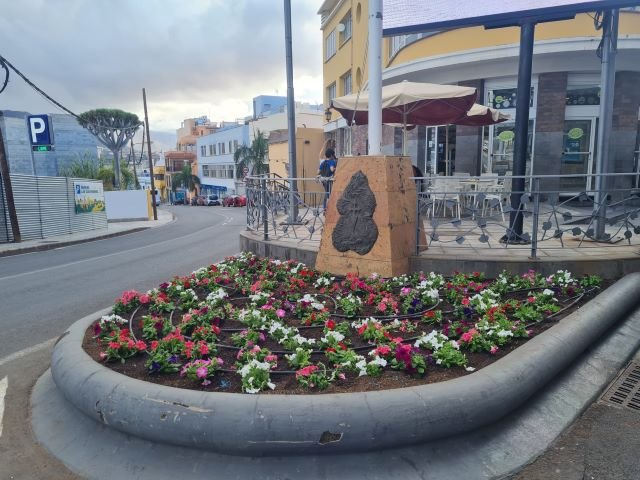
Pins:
<point x="327" y="115"/>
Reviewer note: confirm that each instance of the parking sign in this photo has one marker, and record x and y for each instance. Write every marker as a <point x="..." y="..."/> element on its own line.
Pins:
<point x="39" y="132"/>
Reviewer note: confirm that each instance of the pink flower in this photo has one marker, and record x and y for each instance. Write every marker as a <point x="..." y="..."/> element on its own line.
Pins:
<point x="468" y="335"/>
<point x="145" y="299"/>
<point x="465" y="301"/>
<point x="271" y="358"/>
<point x="306" y="371"/>
<point x="494" y="350"/>
<point x="187" y="317"/>
<point x="280" y="313"/>
<point x="140" y="345"/>
<point x="405" y="291"/>
<point x="202" y="372"/>
<point x="203" y="348"/>
<point x="103" y="355"/>
<point x="382" y="306"/>
<point x="341" y="376"/>
<point x="531" y="299"/>
<point x="114" y="345"/>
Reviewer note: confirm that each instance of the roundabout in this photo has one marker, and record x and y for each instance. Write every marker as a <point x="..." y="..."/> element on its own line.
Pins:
<point x="302" y="428"/>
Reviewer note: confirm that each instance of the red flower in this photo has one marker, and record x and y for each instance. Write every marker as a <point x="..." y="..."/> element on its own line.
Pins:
<point x="114" y="345"/>
<point x="154" y="345"/>
<point x="330" y="324"/>
<point x="140" y="345"/>
<point x="465" y="301"/>
<point x="306" y="371"/>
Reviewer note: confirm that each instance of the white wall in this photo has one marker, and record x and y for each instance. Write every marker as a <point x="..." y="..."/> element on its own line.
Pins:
<point x="126" y="205"/>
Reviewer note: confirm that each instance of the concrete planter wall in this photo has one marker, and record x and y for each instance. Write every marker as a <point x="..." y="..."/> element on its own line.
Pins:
<point x="273" y="424"/>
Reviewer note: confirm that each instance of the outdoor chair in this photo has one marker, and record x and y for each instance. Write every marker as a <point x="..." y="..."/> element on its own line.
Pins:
<point x="445" y="192"/>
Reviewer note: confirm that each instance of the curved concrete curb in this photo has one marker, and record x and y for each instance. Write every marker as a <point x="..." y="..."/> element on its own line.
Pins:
<point x="279" y="424"/>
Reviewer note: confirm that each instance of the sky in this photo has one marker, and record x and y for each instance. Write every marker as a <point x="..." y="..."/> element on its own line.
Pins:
<point x="194" y="57"/>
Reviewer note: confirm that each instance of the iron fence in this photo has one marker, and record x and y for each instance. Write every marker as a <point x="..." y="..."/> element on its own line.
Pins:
<point x="552" y="212"/>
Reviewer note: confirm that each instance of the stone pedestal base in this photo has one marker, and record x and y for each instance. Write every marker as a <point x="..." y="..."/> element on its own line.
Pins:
<point x="394" y="217"/>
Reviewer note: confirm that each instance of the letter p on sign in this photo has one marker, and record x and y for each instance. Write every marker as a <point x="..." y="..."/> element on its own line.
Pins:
<point x="39" y="130"/>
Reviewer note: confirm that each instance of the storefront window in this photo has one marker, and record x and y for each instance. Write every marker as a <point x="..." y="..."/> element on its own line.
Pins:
<point x="584" y="95"/>
<point x="505" y="98"/>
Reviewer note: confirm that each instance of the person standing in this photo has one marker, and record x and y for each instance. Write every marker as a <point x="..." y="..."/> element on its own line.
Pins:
<point x="326" y="170"/>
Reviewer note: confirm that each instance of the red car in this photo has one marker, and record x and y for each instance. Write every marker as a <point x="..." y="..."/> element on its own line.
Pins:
<point x="234" y="201"/>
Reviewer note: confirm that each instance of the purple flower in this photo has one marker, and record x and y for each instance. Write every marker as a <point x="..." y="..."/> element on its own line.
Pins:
<point x="202" y="372"/>
<point x="173" y="359"/>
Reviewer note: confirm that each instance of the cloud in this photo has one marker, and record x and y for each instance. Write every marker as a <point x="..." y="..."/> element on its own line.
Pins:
<point x="197" y="57"/>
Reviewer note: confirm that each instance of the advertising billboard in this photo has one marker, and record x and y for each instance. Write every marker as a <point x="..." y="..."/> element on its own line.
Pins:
<point x="88" y="196"/>
<point x="410" y="16"/>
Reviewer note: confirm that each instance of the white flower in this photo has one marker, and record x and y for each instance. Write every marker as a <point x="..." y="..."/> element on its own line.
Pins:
<point x="333" y="335"/>
<point x="548" y="292"/>
<point x="271" y="385"/>
<point x="434" y="340"/>
<point x="361" y="366"/>
<point x="504" y="333"/>
<point x="113" y="318"/>
<point x="379" y="361"/>
<point x="470" y="369"/>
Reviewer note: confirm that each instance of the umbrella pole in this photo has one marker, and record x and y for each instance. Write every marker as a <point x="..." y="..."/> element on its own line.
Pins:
<point x="447" y="167"/>
<point x="404" y="133"/>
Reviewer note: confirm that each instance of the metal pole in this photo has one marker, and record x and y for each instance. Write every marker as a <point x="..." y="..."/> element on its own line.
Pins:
<point x="375" y="77"/>
<point x="291" y="119"/>
<point x="8" y="191"/>
<point x="265" y="221"/>
<point x="527" y="30"/>
<point x="607" y="85"/>
<point x="153" y="183"/>
<point x="536" y="215"/>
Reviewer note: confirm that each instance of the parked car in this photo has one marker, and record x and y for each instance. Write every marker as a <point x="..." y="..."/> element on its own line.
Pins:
<point x="156" y="197"/>
<point x="201" y="200"/>
<point x="235" y="201"/>
<point x="177" y="198"/>
<point x="212" y="200"/>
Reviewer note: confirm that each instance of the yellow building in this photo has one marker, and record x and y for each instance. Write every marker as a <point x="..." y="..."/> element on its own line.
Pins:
<point x="565" y="87"/>
<point x="309" y="142"/>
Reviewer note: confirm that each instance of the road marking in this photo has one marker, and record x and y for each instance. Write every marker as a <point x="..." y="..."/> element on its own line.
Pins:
<point x="41" y="270"/>
<point x="4" y="384"/>
<point x="27" y="351"/>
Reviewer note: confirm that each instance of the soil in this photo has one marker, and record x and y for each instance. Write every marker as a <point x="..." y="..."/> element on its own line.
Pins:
<point x="284" y="378"/>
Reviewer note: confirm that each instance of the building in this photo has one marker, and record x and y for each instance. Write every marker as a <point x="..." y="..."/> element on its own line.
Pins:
<point x="565" y="92"/>
<point x="174" y="163"/>
<point x="309" y="143"/>
<point x="216" y="166"/>
<point x="71" y="143"/>
<point x="215" y="151"/>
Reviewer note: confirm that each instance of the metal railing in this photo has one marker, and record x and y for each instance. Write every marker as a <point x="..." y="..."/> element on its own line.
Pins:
<point x="553" y="211"/>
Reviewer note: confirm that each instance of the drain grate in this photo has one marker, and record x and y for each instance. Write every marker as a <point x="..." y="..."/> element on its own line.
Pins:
<point x="625" y="391"/>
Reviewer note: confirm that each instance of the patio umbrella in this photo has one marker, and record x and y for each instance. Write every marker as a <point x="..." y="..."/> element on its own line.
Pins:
<point x="480" y="116"/>
<point x="410" y="103"/>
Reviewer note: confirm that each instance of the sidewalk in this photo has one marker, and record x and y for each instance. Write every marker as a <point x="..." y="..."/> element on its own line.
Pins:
<point x="113" y="230"/>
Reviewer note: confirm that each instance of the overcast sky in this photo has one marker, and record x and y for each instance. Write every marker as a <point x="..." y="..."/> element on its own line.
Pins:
<point x="194" y="57"/>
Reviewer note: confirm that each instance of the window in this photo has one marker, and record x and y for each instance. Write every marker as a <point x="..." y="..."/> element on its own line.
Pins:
<point x="346" y="33"/>
<point x="330" y="45"/>
<point x="214" y="149"/>
<point x="222" y="149"/>
<point x="205" y="170"/>
<point x="230" y="146"/>
<point x="211" y="150"/>
<point x="506" y="98"/>
<point x="398" y="42"/>
<point x="346" y="83"/>
<point x="583" y="95"/>
<point x="331" y="93"/>
<point x="235" y="146"/>
<point x="203" y="150"/>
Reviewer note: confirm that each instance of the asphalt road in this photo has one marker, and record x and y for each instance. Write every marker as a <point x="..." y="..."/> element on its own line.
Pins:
<point x="42" y="293"/>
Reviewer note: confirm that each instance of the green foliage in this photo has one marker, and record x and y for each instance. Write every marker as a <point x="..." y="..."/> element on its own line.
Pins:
<point x="108" y="118"/>
<point x="253" y="157"/>
<point x="86" y="166"/>
<point x="185" y="179"/>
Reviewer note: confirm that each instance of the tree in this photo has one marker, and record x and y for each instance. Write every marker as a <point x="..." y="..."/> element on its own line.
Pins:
<point x="86" y="167"/>
<point x="114" y="129"/>
<point x="253" y="157"/>
<point x="185" y="179"/>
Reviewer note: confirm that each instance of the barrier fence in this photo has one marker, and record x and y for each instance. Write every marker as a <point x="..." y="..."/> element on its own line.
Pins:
<point x="551" y="212"/>
<point x="45" y="207"/>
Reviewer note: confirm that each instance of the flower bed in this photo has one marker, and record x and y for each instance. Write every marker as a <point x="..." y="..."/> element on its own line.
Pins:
<point x="252" y="325"/>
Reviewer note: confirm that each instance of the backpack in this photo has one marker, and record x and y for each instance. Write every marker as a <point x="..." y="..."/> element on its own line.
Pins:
<point x="325" y="169"/>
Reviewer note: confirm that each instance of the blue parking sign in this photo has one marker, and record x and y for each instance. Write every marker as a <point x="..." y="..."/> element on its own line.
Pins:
<point x="39" y="132"/>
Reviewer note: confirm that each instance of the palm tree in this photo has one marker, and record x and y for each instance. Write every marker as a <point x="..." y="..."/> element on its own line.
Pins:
<point x="253" y="157"/>
<point x="185" y="179"/>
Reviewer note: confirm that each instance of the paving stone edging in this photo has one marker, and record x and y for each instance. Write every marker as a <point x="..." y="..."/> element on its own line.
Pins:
<point x="298" y="424"/>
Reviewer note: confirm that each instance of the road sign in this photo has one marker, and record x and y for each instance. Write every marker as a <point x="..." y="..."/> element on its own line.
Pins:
<point x="39" y="130"/>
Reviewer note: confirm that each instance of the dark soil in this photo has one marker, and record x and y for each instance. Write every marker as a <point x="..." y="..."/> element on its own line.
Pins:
<point x="285" y="380"/>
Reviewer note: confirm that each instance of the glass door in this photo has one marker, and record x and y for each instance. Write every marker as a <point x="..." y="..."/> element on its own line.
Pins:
<point x="500" y="144"/>
<point x="578" y="154"/>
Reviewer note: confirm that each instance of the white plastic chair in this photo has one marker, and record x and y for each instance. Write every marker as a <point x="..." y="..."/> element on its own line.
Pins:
<point x="446" y="191"/>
